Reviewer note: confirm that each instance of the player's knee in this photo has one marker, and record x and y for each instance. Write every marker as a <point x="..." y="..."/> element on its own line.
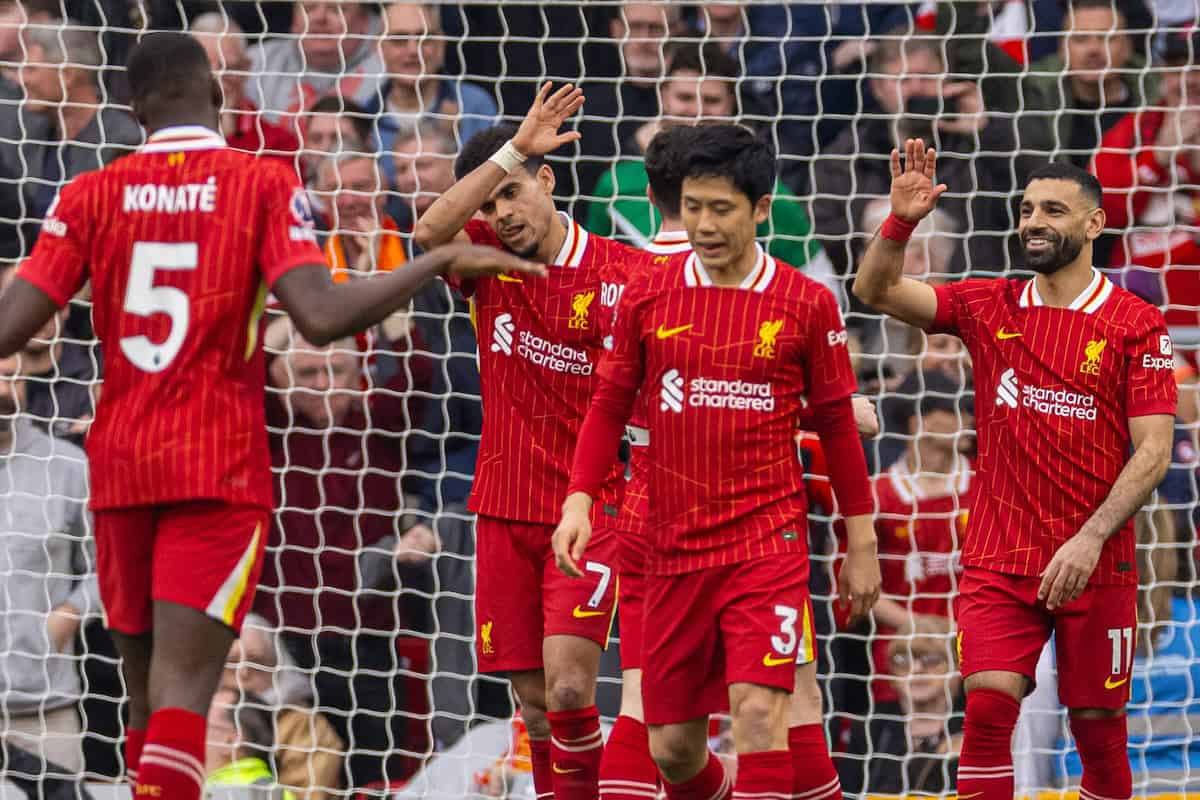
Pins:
<point x="569" y="689"/>
<point x="806" y="699"/>
<point x="675" y="753"/>
<point x="759" y="719"/>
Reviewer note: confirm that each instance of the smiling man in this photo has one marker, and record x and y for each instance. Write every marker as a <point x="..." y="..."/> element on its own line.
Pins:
<point x="1070" y="372"/>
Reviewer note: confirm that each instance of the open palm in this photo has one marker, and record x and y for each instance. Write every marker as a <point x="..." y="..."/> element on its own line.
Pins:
<point x="914" y="193"/>
<point x="538" y="134"/>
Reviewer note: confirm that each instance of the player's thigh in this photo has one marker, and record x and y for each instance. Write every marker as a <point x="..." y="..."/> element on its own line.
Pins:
<point x="208" y="557"/>
<point x="1094" y="642"/>
<point x="766" y="621"/>
<point x="683" y="672"/>
<point x="508" y="596"/>
<point x="806" y="706"/>
<point x="125" y="566"/>
<point x="760" y="717"/>
<point x="582" y="607"/>
<point x="1001" y="628"/>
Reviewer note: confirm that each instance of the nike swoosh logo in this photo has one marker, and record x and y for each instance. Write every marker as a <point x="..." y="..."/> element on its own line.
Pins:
<point x="560" y="771"/>
<point x="772" y="661"/>
<point x="579" y="613"/>
<point x="667" y="333"/>
<point x="508" y="278"/>
<point x="1109" y="683"/>
<point x="1003" y="334"/>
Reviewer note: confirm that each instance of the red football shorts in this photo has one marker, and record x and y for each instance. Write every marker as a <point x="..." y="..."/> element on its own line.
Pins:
<point x="749" y="622"/>
<point x="632" y="599"/>
<point x="521" y="596"/>
<point x="203" y="555"/>
<point x="1003" y="626"/>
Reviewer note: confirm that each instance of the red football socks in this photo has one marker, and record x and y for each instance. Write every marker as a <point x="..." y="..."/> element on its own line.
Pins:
<point x="813" y="774"/>
<point x="171" y="766"/>
<point x="543" y="775"/>
<point x="764" y="776"/>
<point x="1102" y="745"/>
<point x="576" y="745"/>
<point x="985" y="767"/>
<point x="711" y="783"/>
<point x="627" y="772"/>
<point x="134" y="739"/>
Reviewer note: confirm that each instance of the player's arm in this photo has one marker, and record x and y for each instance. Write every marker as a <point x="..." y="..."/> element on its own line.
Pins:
<point x="1067" y="574"/>
<point x="445" y="219"/>
<point x="24" y="309"/>
<point x="880" y="280"/>
<point x="325" y="311"/>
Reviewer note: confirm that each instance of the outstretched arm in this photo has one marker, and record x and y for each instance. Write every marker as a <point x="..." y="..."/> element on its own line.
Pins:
<point x="325" y="311"/>
<point x="444" y="220"/>
<point x="880" y="281"/>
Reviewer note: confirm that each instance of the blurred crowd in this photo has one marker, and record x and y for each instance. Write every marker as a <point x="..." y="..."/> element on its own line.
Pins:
<point x="357" y="670"/>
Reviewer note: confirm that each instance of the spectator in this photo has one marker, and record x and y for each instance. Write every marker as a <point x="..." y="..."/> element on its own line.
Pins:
<point x="243" y="127"/>
<point x="49" y="584"/>
<point x="1094" y="80"/>
<point x="923" y="501"/>
<point x="975" y="155"/>
<point x="306" y="746"/>
<point x="331" y="51"/>
<point x="1149" y="166"/>
<point x="343" y="546"/>
<point x="698" y="87"/>
<point x="60" y="378"/>
<point x="423" y="165"/>
<point x="617" y="107"/>
<point x="363" y="238"/>
<point x="414" y="52"/>
<point x="61" y="129"/>
<point x="332" y="126"/>
<point x="911" y="745"/>
<point x="240" y="750"/>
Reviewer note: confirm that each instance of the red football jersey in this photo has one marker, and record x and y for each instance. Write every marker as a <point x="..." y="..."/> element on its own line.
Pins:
<point x="726" y="372"/>
<point x="539" y="341"/>
<point x="920" y="536"/>
<point x="180" y="241"/>
<point x="1054" y="389"/>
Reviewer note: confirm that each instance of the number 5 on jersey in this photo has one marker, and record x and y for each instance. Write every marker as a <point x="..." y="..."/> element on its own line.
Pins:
<point x="144" y="299"/>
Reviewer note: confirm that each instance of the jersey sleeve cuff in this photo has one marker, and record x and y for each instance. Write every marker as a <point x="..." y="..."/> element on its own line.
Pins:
<point x="943" y="318"/>
<point x="1152" y="407"/>
<point x="288" y="264"/>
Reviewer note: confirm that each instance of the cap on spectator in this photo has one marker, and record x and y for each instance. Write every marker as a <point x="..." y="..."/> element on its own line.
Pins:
<point x="1180" y="46"/>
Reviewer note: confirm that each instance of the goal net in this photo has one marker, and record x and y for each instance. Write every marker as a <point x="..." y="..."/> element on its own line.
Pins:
<point x="356" y="672"/>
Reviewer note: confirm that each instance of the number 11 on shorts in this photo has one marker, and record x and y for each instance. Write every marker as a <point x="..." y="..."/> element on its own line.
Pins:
<point x="1122" y="655"/>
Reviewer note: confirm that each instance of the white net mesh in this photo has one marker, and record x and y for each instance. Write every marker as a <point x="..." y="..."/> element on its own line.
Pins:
<point x="359" y="667"/>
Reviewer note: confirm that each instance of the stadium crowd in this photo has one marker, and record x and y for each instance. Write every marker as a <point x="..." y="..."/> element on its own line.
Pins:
<point x="357" y="672"/>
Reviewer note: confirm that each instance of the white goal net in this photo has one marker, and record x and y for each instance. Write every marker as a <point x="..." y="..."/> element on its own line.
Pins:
<point x="356" y="672"/>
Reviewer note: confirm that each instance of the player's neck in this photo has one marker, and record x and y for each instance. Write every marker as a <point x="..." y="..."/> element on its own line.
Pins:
<point x="932" y="469"/>
<point x="552" y="244"/>
<point x="204" y="119"/>
<point x="671" y="225"/>
<point x="735" y="272"/>
<point x="1061" y="288"/>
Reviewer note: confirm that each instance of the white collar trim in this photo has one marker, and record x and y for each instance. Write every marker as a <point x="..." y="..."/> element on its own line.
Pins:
<point x="694" y="273"/>
<point x="905" y="483"/>
<point x="574" y="246"/>
<point x="1088" y="301"/>
<point x="182" y="137"/>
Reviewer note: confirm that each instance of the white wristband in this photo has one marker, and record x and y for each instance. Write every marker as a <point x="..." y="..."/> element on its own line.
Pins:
<point x="507" y="157"/>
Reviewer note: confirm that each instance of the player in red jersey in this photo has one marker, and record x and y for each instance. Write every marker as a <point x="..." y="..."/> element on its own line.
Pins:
<point x="730" y="344"/>
<point x="1070" y="372"/>
<point x="539" y="341"/>
<point x="180" y="242"/>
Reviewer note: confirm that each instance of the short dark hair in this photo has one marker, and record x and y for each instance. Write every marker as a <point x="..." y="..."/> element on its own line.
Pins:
<point x="169" y="69"/>
<point x="733" y="152"/>
<point x="1107" y="5"/>
<point x="485" y="144"/>
<point x="664" y="166"/>
<point x="706" y="58"/>
<point x="926" y="392"/>
<point x="1065" y="171"/>
<point x="360" y="120"/>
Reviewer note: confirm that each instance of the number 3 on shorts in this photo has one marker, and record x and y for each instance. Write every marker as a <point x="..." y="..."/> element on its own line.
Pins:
<point x="785" y="645"/>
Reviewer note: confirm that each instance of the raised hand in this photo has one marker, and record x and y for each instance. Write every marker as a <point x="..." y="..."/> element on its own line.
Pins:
<point x="914" y="193"/>
<point x="473" y="261"/>
<point x="538" y="134"/>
